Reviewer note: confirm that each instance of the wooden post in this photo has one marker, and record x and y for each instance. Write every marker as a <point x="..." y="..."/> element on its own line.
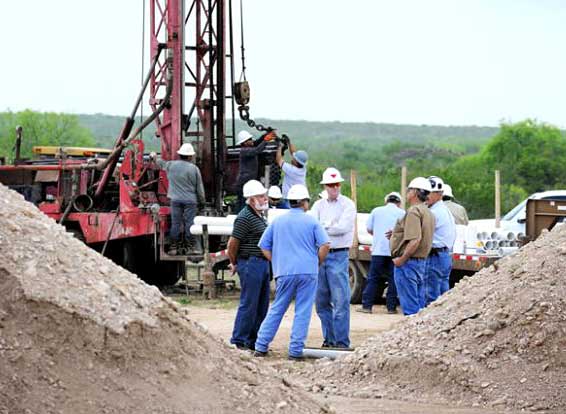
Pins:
<point x="403" y="185"/>
<point x="497" y="199"/>
<point x="354" y="250"/>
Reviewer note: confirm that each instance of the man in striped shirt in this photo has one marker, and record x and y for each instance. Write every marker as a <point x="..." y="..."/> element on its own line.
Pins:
<point x="253" y="269"/>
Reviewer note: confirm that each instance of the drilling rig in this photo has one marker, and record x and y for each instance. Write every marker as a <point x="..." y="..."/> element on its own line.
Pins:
<point x="115" y="200"/>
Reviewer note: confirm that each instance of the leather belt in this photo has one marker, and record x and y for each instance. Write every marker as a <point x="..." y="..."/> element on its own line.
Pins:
<point x="339" y="249"/>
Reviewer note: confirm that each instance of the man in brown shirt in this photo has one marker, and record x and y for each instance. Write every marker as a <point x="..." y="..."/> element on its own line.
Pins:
<point x="410" y="243"/>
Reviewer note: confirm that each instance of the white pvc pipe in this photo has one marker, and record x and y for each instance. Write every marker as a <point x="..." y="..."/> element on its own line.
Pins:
<point x="215" y="221"/>
<point x="196" y="229"/>
<point x="324" y="353"/>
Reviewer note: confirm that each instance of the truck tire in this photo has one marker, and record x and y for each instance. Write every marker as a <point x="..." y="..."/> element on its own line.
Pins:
<point x="357" y="283"/>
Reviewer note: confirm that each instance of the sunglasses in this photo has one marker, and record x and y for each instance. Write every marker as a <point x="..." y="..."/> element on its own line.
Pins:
<point x="333" y="185"/>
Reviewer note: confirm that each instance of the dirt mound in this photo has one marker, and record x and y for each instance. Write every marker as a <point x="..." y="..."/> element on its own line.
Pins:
<point x="80" y="334"/>
<point x="498" y="339"/>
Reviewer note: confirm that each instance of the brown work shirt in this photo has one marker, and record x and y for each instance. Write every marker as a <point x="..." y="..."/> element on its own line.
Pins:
<point x="418" y="223"/>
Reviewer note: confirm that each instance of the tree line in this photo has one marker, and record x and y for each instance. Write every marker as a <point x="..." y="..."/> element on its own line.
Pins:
<point x="531" y="155"/>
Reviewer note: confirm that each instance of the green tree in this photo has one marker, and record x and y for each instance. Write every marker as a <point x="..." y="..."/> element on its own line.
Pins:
<point x="41" y="128"/>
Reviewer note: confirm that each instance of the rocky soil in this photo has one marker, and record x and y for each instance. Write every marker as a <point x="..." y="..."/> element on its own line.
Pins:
<point x="80" y="334"/>
<point x="498" y="340"/>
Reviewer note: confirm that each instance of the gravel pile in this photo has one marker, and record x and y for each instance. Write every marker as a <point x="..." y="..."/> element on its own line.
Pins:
<point x="498" y="339"/>
<point x="80" y="334"/>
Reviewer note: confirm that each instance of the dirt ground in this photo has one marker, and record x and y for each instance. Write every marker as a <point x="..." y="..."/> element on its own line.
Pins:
<point x="218" y="316"/>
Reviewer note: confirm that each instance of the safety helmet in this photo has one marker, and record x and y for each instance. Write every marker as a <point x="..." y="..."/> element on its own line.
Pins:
<point x="243" y="136"/>
<point x="420" y="183"/>
<point x="274" y="192"/>
<point x="298" y="192"/>
<point x="436" y="184"/>
<point x="186" y="150"/>
<point x="253" y="188"/>
<point x="331" y="176"/>
<point x="301" y="157"/>
<point x="448" y="191"/>
<point x="393" y="194"/>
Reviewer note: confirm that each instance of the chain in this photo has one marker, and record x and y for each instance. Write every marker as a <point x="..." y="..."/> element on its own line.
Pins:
<point x="245" y="116"/>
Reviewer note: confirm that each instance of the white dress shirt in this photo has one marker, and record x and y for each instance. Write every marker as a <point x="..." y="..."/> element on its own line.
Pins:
<point x="338" y="218"/>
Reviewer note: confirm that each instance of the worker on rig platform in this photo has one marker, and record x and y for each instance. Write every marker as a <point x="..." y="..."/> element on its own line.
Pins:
<point x="295" y="172"/>
<point x="186" y="192"/>
<point x="296" y="244"/>
<point x="337" y="215"/>
<point x="249" y="153"/>
<point x="458" y="211"/>
<point x="253" y="269"/>
<point x="439" y="262"/>
<point x="381" y="220"/>
<point x="410" y="243"/>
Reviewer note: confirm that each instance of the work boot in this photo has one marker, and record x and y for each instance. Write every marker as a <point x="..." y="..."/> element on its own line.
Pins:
<point x="364" y="310"/>
<point x="392" y="311"/>
<point x="260" y="354"/>
<point x="173" y="248"/>
<point x="295" y="358"/>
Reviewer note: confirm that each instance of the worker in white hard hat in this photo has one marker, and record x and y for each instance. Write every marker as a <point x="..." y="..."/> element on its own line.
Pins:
<point x="186" y="192"/>
<point x="249" y="163"/>
<point x="382" y="220"/>
<point x="458" y="211"/>
<point x="337" y="214"/>
<point x="410" y="243"/>
<point x="253" y="268"/>
<point x="275" y="197"/>
<point x="295" y="171"/>
<point x="439" y="262"/>
<point x="297" y="245"/>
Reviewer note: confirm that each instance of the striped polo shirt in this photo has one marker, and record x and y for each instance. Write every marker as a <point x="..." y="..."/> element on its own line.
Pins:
<point x="248" y="229"/>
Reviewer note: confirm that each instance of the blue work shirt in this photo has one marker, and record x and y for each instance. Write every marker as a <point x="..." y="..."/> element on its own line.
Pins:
<point x="445" y="227"/>
<point x="381" y="220"/>
<point x="293" y="240"/>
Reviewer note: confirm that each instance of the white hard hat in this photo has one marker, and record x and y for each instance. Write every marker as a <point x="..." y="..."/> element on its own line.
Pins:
<point x="393" y="194"/>
<point x="253" y="188"/>
<point x="298" y="192"/>
<point x="274" y="192"/>
<point x="331" y="176"/>
<point x="243" y="136"/>
<point x="436" y="184"/>
<point x="186" y="149"/>
<point x="448" y="191"/>
<point x="323" y="194"/>
<point x="420" y="183"/>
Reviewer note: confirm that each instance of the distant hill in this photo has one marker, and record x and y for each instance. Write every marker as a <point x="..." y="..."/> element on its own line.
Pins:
<point x="323" y="139"/>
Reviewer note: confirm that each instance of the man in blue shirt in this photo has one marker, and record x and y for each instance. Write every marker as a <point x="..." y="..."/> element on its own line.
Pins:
<point x="382" y="220"/>
<point x="296" y="244"/>
<point x="439" y="261"/>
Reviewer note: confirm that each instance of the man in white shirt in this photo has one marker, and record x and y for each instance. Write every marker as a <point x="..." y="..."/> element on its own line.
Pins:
<point x="295" y="171"/>
<point x="382" y="220"/>
<point x="439" y="261"/>
<point x="337" y="214"/>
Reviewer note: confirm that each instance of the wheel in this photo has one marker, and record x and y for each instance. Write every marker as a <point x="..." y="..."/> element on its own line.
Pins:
<point x="357" y="283"/>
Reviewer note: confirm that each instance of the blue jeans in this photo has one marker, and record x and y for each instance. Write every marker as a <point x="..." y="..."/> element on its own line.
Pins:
<point x="410" y="287"/>
<point x="333" y="299"/>
<point x="254" y="300"/>
<point x="182" y="214"/>
<point x="303" y="289"/>
<point x="437" y="275"/>
<point x="380" y="268"/>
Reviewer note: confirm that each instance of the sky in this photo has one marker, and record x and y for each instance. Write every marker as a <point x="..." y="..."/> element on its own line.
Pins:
<point x="434" y="62"/>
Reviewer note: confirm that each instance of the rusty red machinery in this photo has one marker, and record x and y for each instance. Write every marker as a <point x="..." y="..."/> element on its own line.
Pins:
<point x="116" y="200"/>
